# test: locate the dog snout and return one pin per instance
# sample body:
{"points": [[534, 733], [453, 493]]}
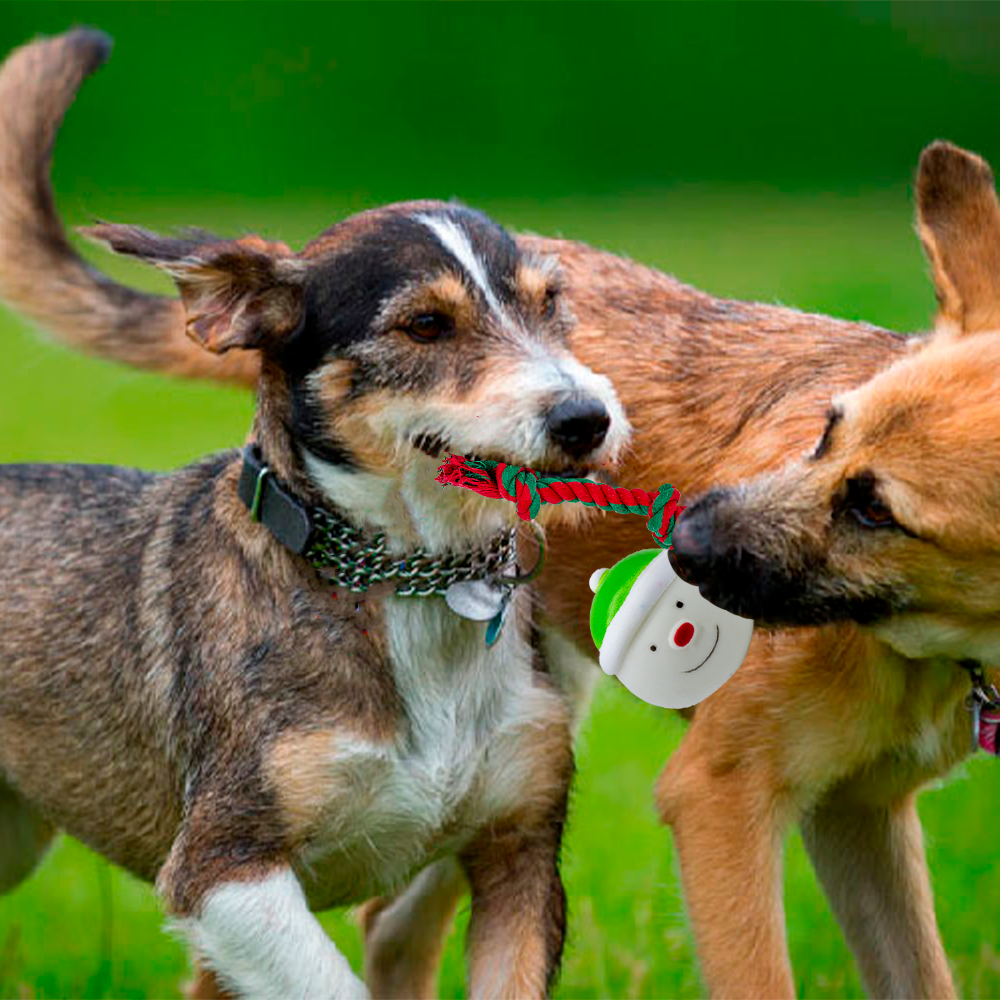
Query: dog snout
{"points": [[578, 426], [707, 553]]}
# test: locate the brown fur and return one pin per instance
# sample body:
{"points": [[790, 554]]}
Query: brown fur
{"points": [[827, 725]]}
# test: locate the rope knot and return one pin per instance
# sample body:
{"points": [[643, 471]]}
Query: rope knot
{"points": [[663, 513], [520, 484]]}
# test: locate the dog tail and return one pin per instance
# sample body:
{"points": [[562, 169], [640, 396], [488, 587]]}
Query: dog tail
{"points": [[41, 275]]}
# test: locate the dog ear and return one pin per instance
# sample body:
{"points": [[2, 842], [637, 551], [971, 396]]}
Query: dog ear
{"points": [[958, 219], [244, 293]]}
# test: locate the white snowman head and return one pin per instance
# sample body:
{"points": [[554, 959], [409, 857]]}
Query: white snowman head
{"points": [[659, 636]]}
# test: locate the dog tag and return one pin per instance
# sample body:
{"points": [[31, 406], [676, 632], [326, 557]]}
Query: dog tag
{"points": [[496, 622], [476, 600], [986, 727]]}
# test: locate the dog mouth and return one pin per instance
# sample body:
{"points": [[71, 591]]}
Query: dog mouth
{"points": [[707, 658], [436, 446]]}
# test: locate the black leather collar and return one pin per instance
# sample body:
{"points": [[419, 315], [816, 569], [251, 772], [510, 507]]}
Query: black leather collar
{"points": [[282, 513]]}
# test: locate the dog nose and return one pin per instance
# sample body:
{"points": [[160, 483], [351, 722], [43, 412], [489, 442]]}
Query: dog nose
{"points": [[578, 426], [691, 552], [683, 634]]}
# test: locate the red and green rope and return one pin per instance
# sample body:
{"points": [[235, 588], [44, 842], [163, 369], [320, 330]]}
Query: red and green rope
{"points": [[528, 491]]}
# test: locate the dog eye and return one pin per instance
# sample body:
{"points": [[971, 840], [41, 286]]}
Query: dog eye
{"points": [[550, 302], [874, 514], [865, 507], [429, 326]]}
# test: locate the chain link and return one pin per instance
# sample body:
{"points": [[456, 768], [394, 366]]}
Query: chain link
{"points": [[347, 559]]}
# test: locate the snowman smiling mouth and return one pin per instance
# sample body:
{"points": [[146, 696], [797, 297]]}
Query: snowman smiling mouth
{"points": [[707, 658]]}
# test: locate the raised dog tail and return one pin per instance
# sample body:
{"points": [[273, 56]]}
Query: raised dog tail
{"points": [[41, 275]]}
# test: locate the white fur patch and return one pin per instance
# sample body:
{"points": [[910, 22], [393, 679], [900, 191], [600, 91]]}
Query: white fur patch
{"points": [[262, 941], [456, 241], [371, 499], [458, 762]]}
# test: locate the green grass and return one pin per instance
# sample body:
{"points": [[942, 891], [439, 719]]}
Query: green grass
{"points": [[79, 928]]}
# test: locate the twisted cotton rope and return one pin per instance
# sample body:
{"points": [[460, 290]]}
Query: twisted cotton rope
{"points": [[528, 491]]}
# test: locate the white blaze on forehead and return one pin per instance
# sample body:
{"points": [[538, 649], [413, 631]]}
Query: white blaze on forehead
{"points": [[456, 241]]}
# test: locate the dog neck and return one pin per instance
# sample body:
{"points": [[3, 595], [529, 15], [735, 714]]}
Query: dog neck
{"points": [[409, 507], [405, 503]]}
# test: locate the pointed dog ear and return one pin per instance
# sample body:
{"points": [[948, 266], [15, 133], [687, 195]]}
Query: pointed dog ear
{"points": [[958, 219], [243, 293]]}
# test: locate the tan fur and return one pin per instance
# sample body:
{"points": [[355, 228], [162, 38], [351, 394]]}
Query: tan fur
{"points": [[405, 935], [536, 281], [448, 292], [298, 767]]}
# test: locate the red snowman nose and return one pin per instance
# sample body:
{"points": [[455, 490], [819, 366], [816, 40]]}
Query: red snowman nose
{"points": [[683, 634]]}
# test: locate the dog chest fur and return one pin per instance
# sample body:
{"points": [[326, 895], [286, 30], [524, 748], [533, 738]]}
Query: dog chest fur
{"points": [[471, 743]]}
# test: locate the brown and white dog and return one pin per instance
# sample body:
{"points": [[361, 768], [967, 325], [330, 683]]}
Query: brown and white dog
{"points": [[194, 700], [834, 725]]}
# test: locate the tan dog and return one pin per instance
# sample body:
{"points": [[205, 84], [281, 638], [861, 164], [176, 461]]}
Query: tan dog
{"points": [[832, 725]]}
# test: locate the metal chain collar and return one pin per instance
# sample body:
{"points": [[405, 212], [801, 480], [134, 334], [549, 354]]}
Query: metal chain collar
{"points": [[350, 560]]}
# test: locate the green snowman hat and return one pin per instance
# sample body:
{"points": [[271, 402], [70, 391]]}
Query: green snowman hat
{"points": [[623, 597]]}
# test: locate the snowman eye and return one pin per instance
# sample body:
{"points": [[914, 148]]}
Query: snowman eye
{"points": [[652, 649], [680, 604]]}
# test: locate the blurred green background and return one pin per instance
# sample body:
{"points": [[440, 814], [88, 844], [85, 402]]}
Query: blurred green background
{"points": [[757, 150]]}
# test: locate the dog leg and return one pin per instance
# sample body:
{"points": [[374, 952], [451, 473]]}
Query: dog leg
{"points": [[255, 932], [24, 838], [405, 934], [518, 921], [728, 828], [870, 860]]}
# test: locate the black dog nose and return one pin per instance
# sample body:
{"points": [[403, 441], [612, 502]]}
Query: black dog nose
{"points": [[578, 426], [695, 543]]}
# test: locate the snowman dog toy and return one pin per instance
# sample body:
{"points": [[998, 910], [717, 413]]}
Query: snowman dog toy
{"points": [[665, 642], [659, 636]]}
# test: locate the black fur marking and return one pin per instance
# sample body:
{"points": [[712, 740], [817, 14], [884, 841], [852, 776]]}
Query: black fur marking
{"points": [[539, 663], [833, 417], [310, 430], [254, 662], [196, 507]]}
